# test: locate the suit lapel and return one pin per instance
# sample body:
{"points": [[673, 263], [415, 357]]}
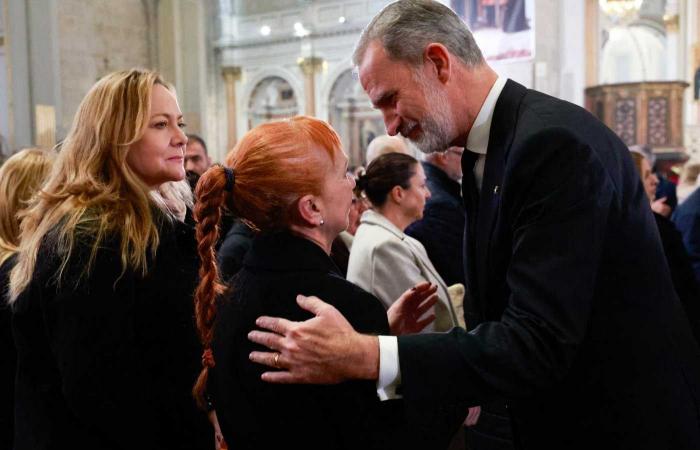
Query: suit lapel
{"points": [[501, 136]]}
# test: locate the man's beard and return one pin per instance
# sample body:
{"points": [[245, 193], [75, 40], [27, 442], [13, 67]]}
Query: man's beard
{"points": [[436, 126]]}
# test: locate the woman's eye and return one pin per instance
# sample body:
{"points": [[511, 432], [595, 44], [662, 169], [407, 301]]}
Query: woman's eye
{"points": [[182, 125], [160, 124]]}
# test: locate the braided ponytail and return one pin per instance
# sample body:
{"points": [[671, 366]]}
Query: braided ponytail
{"points": [[211, 194]]}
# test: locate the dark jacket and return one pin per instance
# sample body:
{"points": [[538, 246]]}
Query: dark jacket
{"points": [[687, 220], [682, 274], [233, 249], [8, 356], [108, 360], [571, 319], [258, 415], [441, 230]]}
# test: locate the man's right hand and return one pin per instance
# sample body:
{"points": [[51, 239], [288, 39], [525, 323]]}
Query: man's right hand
{"points": [[322, 350]]}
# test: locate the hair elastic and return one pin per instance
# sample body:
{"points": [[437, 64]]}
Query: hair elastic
{"points": [[230, 178]]}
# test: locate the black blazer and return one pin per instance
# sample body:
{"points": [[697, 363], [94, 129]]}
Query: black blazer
{"points": [[258, 415], [576, 321], [441, 230], [108, 361]]}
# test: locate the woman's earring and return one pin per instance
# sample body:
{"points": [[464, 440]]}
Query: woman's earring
{"points": [[322, 222]]}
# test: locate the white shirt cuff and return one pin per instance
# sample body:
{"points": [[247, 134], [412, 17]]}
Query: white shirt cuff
{"points": [[389, 371]]}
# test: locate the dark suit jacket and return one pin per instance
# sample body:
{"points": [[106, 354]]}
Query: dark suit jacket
{"points": [[108, 360], [577, 323], [687, 220], [682, 274], [258, 415], [441, 230]]}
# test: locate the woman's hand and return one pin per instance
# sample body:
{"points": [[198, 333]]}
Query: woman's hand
{"points": [[406, 314]]}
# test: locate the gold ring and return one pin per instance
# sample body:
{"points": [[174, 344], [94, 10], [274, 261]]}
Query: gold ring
{"points": [[276, 362]]}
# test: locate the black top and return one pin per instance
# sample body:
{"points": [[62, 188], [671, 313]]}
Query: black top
{"points": [[258, 415], [8, 356], [108, 361]]}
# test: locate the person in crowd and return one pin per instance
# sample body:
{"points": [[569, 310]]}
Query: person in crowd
{"points": [[102, 289], [565, 320], [687, 220], [384, 144], [342, 245], [684, 282], [441, 230], [688, 180], [234, 246], [20, 179], [665, 198], [288, 179], [384, 260], [197, 157]]}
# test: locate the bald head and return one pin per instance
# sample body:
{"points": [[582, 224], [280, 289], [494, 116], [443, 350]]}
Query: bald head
{"points": [[384, 144]]}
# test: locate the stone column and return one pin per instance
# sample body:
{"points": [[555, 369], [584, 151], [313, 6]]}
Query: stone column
{"points": [[231, 75], [310, 66], [592, 42]]}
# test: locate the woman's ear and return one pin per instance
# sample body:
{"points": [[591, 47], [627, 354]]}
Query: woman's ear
{"points": [[308, 210], [396, 194]]}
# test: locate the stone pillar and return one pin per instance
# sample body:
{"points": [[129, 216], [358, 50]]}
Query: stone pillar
{"points": [[231, 75], [592, 42], [310, 66]]}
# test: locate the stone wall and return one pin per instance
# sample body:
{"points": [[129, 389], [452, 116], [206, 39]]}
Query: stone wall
{"points": [[97, 37]]}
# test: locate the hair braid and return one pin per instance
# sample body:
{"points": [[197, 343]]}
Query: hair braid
{"points": [[210, 195]]}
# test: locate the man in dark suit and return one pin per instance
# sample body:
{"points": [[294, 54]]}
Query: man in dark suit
{"points": [[441, 230], [566, 322]]}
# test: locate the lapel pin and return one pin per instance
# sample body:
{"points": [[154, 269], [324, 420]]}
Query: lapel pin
{"points": [[495, 189]]}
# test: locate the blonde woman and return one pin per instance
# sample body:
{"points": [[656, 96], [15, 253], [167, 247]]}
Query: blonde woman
{"points": [[102, 290], [20, 178]]}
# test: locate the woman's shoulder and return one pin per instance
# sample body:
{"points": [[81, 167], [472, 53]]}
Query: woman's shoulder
{"points": [[362, 309]]}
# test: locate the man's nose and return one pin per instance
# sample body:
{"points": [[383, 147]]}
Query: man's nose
{"points": [[392, 122]]}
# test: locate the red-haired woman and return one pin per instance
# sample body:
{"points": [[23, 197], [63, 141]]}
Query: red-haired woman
{"points": [[288, 180]]}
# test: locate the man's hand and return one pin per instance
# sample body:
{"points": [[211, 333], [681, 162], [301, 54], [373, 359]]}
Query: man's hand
{"points": [[322, 350], [660, 207], [406, 314]]}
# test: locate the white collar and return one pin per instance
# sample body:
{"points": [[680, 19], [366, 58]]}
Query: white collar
{"points": [[372, 217], [478, 139]]}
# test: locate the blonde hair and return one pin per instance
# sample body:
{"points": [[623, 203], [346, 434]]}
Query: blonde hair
{"points": [[689, 175], [92, 192], [20, 178]]}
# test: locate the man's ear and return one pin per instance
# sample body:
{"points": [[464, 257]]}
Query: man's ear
{"points": [[396, 193], [308, 211], [439, 59]]}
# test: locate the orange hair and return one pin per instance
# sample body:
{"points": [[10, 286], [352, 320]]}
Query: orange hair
{"points": [[275, 164]]}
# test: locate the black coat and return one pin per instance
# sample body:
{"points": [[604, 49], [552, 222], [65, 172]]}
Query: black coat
{"points": [[258, 415], [233, 249], [441, 230], [572, 321], [8, 356], [108, 360]]}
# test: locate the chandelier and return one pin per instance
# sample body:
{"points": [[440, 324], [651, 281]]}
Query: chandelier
{"points": [[621, 9]]}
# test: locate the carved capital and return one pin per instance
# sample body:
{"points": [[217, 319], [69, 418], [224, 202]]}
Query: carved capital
{"points": [[232, 73], [310, 65]]}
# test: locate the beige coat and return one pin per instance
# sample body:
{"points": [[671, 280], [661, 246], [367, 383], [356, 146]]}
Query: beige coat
{"points": [[386, 262]]}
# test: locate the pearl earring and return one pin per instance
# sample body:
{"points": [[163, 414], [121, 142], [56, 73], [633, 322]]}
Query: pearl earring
{"points": [[322, 222]]}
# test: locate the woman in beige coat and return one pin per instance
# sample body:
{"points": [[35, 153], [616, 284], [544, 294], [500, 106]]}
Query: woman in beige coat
{"points": [[383, 260]]}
